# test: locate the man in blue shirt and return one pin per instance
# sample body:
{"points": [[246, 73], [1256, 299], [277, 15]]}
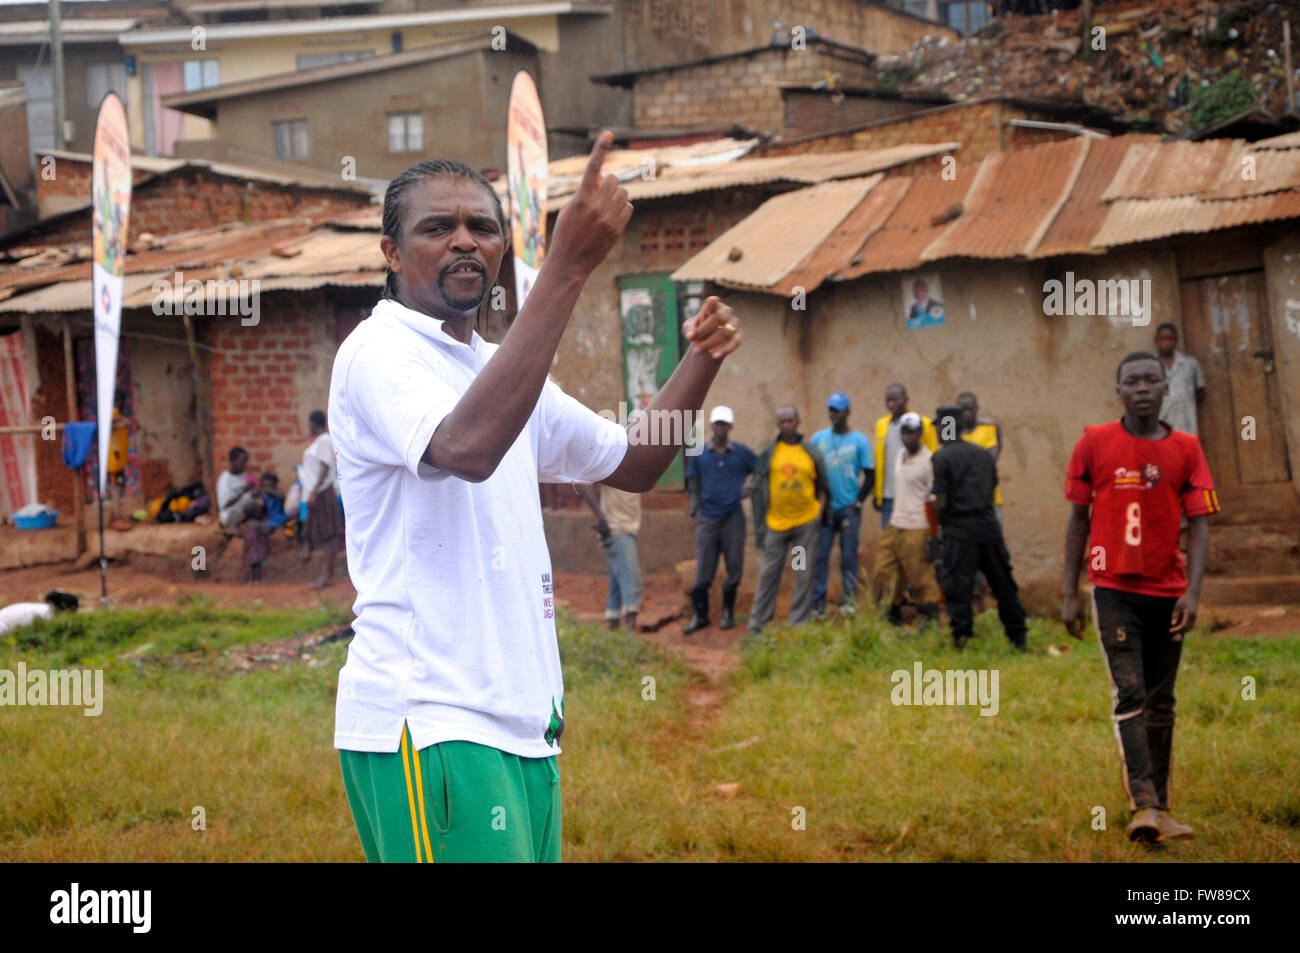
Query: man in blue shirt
{"points": [[715, 482], [848, 457]]}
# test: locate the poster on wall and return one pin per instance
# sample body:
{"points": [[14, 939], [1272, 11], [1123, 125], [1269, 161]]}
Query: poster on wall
{"points": [[111, 201], [526, 158], [923, 300]]}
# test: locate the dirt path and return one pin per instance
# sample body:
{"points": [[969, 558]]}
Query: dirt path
{"points": [[710, 653]]}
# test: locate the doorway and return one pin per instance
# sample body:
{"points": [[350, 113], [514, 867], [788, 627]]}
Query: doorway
{"points": [[1226, 327]]}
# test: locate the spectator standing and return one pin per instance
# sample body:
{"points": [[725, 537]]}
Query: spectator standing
{"points": [[790, 495], [320, 491], [965, 478], [1184, 382], [888, 443], [902, 550], [715, 483], [849, 466], [618, 520]]}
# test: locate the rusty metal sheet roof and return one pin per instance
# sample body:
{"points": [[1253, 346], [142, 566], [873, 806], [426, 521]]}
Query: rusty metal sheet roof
{"points": [[322, 253], [686, 179], [840, 248], [1077, 222], [1129, 221], [920, 216], [1290, 140], [1269, 170], [1013, 199], [1168, 170], [761, 250]]}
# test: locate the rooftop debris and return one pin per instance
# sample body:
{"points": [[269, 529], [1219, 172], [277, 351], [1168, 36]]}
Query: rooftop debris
{"points": [[1167, 65]]}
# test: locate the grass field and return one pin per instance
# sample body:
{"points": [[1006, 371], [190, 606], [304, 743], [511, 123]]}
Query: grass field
{"points": [[807, 729]]}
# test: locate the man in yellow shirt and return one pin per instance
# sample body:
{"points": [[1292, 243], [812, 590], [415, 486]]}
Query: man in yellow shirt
{"points": [[789, 493], [889, 441]]}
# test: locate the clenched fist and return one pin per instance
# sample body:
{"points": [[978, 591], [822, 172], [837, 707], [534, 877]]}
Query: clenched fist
{"points": [[715, 330], [593, 219]]}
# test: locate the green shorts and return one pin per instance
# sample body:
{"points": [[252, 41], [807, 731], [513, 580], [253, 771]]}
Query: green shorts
{"points": [[454, 802]]}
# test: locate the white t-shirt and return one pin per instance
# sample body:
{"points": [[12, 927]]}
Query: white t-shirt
{"points": [[229, 487], [455, 628], [23, 613], [318, 465], [913, 479]]}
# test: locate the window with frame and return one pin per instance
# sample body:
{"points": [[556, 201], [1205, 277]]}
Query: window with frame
{"points": [[105, 77], [406, 132], [200, 74], [290, 139]]}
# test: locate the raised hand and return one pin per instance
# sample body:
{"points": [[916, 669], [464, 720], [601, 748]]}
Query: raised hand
{"points": [[593, 219], [715, 330]]}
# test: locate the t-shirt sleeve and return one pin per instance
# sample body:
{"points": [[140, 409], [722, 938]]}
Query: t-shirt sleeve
{"points": [[397, 403], [1078, 475], [693, 467], [1199, 498], [574, 443], [1197, 376], [941, 475], [865, 460], [751, 461]]}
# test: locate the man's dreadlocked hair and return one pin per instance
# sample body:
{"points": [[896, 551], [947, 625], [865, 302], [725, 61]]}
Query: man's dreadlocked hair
{"points": [[395, 207]]}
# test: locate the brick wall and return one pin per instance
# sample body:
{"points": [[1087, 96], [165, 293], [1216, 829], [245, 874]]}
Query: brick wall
{"points": [[265, 380], [71, 179], [189, 199], [745, 90], [981, 128]]}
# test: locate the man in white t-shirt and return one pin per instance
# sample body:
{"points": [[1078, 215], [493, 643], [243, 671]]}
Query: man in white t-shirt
{"points": [[324, 528], [18, 614], [901, 559], [450, 707]]}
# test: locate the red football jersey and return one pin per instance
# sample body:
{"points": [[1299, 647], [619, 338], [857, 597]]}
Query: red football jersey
{"points": [[1138, 490]]}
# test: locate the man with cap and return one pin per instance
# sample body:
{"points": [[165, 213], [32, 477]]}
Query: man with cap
{"points": [[902, 550], [965, 478], [715, 483], [888, 444], [848, 457]]}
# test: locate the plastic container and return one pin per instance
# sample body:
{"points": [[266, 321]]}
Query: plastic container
{"points": [[40, 521]]}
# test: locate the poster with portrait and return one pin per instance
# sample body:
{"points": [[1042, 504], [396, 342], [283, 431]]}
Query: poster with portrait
{"points": [[111, 207], [923, 300], [526, 158]]}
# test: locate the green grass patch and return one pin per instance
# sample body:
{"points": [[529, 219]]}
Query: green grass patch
{"points": [[807, 730]]}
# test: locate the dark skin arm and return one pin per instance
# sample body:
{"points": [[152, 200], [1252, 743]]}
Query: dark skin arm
{"points": [[1198, 549], [471, 440], [1076, 540], [997, 448]]}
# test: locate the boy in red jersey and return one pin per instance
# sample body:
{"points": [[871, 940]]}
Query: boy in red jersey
{"points": [[1139, 475]]}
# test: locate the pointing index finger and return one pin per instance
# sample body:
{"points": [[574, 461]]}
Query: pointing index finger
{"points": [[591, 177]]}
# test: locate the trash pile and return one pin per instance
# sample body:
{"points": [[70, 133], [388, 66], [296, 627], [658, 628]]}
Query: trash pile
{"points": [[1167, 65]]}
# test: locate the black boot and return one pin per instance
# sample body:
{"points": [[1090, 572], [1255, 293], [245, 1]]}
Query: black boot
{"points": [[728, 609], [700, 616]]}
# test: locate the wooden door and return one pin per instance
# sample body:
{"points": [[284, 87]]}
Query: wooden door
{"points": [[1226, 328]]}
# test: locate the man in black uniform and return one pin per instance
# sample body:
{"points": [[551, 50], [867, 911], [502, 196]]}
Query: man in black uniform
{"points": [[964, 478]]}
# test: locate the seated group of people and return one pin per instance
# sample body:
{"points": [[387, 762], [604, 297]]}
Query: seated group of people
{"points": [[311, 511]]}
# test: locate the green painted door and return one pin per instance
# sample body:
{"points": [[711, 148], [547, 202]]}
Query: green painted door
{"points": [[651, 345]]}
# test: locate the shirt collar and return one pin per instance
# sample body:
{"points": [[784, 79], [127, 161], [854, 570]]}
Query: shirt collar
{"points": [[423, 324]]}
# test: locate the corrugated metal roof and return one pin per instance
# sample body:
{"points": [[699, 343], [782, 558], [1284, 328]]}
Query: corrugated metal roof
{"points": [[840, 248], [1290, 140], [1013, 199], [919, 218], [1129, 221], [1168, 170], [1270, 170], [1077, 222], [761, 250], [678, 177]]}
